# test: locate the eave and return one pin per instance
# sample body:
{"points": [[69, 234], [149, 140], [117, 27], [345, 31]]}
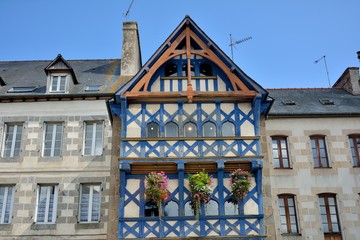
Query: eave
{"points": [[55, 97]]}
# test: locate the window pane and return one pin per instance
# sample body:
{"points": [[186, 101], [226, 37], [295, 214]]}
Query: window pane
{"points": [[12, 142], [190, 130], [231, 209], [171, 130], [212, 208], [171, 209], [188, 210], [6, 202], [153, 130], [53, 143], [46, 204], [228, 129], [54, 83], [209, 129]]}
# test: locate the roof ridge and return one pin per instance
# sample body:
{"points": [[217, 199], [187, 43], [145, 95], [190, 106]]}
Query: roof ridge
{"points": [[299, 88], [49, 60]]}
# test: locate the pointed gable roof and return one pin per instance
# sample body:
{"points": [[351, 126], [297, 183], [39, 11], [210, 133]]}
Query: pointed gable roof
{"points": [[187, 32], [59, 64]]}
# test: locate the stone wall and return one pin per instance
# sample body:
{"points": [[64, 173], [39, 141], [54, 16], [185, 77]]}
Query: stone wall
{"points": [[306, 182], [67, 171]]}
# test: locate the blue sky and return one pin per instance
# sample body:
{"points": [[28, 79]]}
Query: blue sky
{"points": [[287, 36]]}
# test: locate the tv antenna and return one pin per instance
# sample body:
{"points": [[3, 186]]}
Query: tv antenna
{"points": [[128, 11], [232, 44], [326, 68]]}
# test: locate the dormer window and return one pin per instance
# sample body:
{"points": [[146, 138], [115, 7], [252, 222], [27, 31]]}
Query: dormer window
{"points": [[58, 84]]}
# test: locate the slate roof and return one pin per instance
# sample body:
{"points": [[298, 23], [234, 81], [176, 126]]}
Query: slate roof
{"points": [[104, 72], [307, 102]]}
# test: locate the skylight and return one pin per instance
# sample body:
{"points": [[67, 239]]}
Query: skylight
{"points": [[288, 102], [22, 89], [326, 102], [93, 88]]}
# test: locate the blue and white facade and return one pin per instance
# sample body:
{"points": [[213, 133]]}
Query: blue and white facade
{"points": [[190, 108]]}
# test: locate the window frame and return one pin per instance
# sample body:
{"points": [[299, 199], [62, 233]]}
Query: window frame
{"points": [[316, 139], [93, 138], [354, 146], [90, 202], [53, 139], [281, 159], [285, 198], [47, 204], [13, 140], [6, 204], [57, 90], [329, 222]]}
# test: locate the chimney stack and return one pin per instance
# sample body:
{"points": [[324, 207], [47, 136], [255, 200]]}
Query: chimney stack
{"points": [[131, 55]]}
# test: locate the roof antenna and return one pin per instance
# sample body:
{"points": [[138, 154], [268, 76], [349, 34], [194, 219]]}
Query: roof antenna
{"points": [[326, 68], [232, 44], [128, 11]]}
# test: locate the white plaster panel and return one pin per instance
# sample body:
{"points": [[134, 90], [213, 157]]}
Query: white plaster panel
{"points": [[133, 130], [155, 87], [170, 108], [190, 108], [202, 85], [227, 107], [221, 84], [245, 107], [184, 85], [152, 108], [166, 86], [247, 129], [251, 207], [208, 108], [134, 109]]}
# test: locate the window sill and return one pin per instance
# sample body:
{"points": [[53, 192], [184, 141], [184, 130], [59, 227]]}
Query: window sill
{"points": [[43, 226], [10, 159], [322, 167], [50, 159], [279, 168], [87, 158], [88, 225], [291, 234], [6, 227]]}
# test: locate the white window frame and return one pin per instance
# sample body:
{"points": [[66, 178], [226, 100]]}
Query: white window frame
{"points": [[57, 90], [53, 139], [90, 203], [13, 140], [93, 138], [47, 204], [7, 204]]}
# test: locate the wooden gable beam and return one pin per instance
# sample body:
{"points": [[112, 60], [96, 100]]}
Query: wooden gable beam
{"points": [[206, 52]]}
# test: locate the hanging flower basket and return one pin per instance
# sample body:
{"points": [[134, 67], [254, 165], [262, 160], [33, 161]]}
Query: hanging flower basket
{"points": [[156, 189], [240, 185], [200, 190]]}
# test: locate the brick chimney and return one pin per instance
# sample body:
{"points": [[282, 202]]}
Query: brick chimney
{"points": [[349, 81], [131, 55]]}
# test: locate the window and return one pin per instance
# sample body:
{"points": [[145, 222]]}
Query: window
{"points": [[89, 209], [171, 129], [354, 141], [171, 209], [190, 130], [151, 210], [53, 139], [93, 88], [152, 130], [288, 219], [209, 129], [22, 89], [319, 152], [170, 70], [46, 204], [280, 152], [93, 141], [6, 203], [58, 84], [329, 213], [228, 129], [185, 71], [188, 210], [205, 69], [12, 141], [212, 208]]}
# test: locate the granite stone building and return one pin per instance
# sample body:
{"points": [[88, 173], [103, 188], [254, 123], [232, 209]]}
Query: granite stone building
{"points": [[311, 149], [55, 148]]}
